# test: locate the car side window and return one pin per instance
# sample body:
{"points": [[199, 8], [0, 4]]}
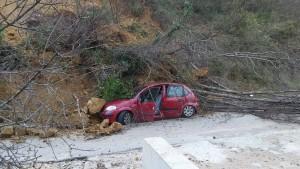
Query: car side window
{"points": [[150, 94], [175, 91], [185, 92]]}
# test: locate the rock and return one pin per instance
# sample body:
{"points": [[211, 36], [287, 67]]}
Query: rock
{"points": [[51, 132], [200, 73], [7, 131], [115, 127], [95, 105], [104, 123], [12, 36], [33, 131], [85, 110], [104, 129], [20, 131]]}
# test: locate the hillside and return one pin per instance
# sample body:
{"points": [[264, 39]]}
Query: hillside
{"points": [[58, 52]]}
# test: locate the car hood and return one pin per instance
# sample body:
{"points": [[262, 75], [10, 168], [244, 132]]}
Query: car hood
{"points": [[119, 103]]}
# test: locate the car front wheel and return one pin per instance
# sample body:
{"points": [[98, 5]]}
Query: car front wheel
{"points": [[188, 111], [125, 118]]}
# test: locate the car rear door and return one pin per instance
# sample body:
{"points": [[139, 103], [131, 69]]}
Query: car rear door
{"points": [[173, 101]]}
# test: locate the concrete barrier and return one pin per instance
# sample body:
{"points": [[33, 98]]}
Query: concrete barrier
{"points": [[159, 154]]}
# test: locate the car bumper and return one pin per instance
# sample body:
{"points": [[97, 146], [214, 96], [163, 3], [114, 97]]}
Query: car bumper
{"points": [[110, 116]]}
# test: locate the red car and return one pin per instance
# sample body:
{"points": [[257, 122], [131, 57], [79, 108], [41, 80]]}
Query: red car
{"points": [[154, 102]]}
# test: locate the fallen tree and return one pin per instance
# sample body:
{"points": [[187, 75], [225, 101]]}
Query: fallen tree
{"points": [[276, 105]]}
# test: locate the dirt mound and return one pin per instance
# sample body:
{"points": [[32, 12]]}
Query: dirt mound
{"points": [[113, 35]]}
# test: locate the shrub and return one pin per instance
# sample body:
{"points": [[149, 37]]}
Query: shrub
{"points": [[38, 40], [284, 31], [1, 35], [244, 31], [66, 30], [136, 28], [11, 58], [216, 68], [136, 8], [115, 88], [128, 62], [247, 76], [165, 12], [208, 9]]}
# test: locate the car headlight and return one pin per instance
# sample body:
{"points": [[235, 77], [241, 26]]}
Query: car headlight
{"points": [[110, 108]]}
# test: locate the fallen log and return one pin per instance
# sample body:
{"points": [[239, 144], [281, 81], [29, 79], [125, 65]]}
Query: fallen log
{"points": [[276, 105]]}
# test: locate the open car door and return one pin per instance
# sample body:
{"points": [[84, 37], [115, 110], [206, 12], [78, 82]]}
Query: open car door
{"points": [[147, 103]]}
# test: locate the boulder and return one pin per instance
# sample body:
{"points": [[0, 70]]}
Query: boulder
{"points": [[200, 73], [104, 128], [20, 131], [94, 105], [51, 132], [33, 131], [7, 131], [104, 123], [115, 126]]}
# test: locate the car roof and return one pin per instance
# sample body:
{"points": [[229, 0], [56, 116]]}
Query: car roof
{"points": [[162, 83]]}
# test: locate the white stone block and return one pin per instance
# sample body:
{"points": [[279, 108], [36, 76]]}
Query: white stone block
{"points": [[159, 154]]}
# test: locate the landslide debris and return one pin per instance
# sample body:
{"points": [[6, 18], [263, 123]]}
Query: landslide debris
{"points": [[104, 128], [94, 105], [10, 131], [87, 117]]}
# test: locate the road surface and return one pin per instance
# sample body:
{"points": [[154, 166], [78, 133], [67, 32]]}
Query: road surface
{"points": [[220, 140]]}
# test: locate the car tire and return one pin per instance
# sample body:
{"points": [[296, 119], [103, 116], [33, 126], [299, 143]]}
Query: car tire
{"points": [[188, 111], [125, 118]]}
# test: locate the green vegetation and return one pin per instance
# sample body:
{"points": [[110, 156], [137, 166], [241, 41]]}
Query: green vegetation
{"points": [[115, 88], [130, 64]]}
